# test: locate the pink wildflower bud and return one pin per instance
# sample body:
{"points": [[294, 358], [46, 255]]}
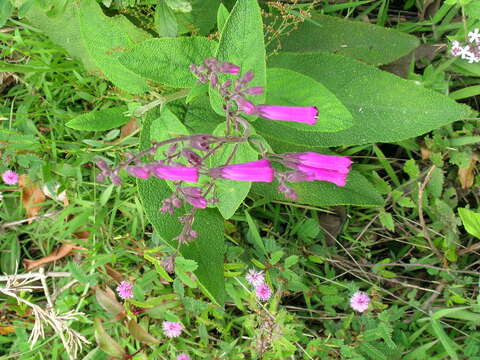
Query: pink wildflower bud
{"points": [[175, 172], [100, 177], [226, 67], [116, 180], [303, 114], [172, 329], [244, 80], [191, 191], [10, 177], [168, 264], [138, 171], [200, 142], [263, 292], [198, 202], [102, 164], [193, 158], [259, 170], [183, 356], [254, 90], [359, 301], [125, 290], [339, 164]]}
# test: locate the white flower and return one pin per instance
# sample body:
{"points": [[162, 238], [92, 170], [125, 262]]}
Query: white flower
{"points": [[465, 52], [472, 58], [474, 36], [456, 48]]}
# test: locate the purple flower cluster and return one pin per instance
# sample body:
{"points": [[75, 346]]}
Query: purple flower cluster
{"points": [[471, 51]]}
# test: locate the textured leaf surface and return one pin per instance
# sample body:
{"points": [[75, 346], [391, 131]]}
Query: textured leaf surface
{"points": [[385, 108], [359, 40], [165, 20], [100, 120], [207, 250], [105, 42], [358, 191], [241, 43], [229, 193], [286, 87], [167, 60]]}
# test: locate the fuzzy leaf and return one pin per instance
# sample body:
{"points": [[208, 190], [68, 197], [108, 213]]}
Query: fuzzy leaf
{"points": [[355, 39], [381, 103], [100, 120], [167, 60], [105, 342]]}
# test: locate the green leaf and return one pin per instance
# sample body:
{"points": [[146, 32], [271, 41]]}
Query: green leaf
{"points": [[105, 342], [140, 334], [10, 256], [229, 193], [448, 344], [6, 10], [459, 313], [108, 301], [167, 126], [471, 221], [167, 60], [208, 249], [358, 191], [355, 39], [255, 234], [134, 33], [387, 220], [381, 103], [201, 19], [242, 43], [100, 120], [222, 16], [165, 20], [290, 88], [105, 42]]}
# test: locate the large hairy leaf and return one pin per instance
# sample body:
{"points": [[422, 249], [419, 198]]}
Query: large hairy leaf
{"points": [[208, 249], [201, 19], [385, 108], [241, 43], [358, 191], [95, 39], [359, 40], [167, 60]]}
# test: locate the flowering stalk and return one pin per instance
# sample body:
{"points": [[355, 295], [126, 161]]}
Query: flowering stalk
{"points": [[471, 51]]}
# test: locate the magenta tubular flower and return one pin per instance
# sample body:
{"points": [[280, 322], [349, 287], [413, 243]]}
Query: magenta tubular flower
{"points": [[339, 164], [260, 171], [338, 178], [172, 329], [263, 292], [176, 173], [10, 177], [125, 290], [307, 115], [245, 106], [359, 301]]}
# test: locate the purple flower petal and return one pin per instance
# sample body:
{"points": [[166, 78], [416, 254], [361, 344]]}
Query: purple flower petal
{"points": [[307, 115]]}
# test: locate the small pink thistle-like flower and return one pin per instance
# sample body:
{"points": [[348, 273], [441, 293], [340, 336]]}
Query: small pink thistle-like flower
{"points": [[259, 170], [10, 177], [172, 329], [359, 301], [255, 277], [125, 290], [183, 356], [263, 292], [302, 114]]}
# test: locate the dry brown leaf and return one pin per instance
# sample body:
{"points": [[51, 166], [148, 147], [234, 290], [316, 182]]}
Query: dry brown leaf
{"points": [[466, 176], [32, 195], [83, 235], [114, 274], [128, 128], [426, 153], [5, 330], [61, 252]]}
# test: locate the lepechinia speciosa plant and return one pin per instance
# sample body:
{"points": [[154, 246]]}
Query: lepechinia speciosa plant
{"points": [[184, 160]]}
